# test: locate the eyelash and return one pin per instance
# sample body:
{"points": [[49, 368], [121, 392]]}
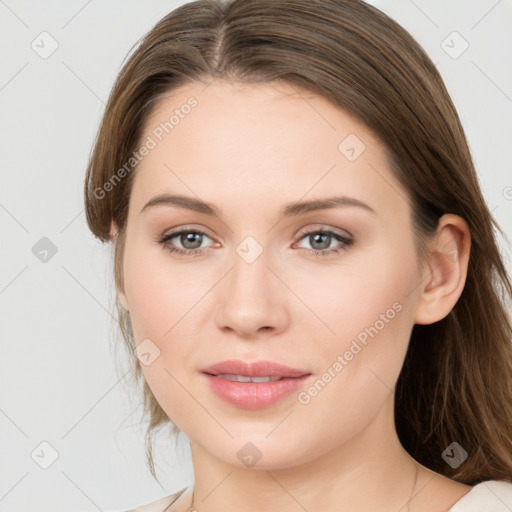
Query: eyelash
{"points": [[346, 242]]}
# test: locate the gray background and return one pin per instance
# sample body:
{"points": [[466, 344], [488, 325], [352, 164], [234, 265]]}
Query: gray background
{"points": [[58, 375]]}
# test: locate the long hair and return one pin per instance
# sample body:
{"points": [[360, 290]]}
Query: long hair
{"points": [[456, 380]]}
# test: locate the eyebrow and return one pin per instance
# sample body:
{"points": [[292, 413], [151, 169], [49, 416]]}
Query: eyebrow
{"points": [[289, 210]]}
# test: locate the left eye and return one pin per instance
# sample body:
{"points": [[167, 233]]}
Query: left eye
{"points": [[322, 240]]}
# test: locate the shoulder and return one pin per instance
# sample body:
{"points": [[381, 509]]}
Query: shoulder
{"points": [[160, 504], [489, 496]]}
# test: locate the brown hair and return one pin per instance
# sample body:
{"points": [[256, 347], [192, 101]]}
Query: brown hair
{"points": [[456, 381]]}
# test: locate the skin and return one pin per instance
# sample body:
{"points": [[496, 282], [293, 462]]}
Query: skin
{"points": [[250, 149]]}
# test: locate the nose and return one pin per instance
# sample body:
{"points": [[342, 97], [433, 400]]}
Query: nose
{"points": [[251, 300]]}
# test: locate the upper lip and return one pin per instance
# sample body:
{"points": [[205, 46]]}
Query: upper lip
{"points": [[254, 369]]}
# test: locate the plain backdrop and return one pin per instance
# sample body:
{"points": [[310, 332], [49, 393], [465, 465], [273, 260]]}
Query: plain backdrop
{"points": [[63, 404]]}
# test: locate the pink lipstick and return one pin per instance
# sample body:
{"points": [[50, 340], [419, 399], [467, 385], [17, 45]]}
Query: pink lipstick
{"points": [[254, 385]]}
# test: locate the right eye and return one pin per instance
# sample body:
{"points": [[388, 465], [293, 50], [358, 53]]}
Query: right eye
{"points": [[187, 238]]}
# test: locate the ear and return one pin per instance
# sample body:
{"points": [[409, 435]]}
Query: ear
{"points": [[446, 270], [121, 296]]}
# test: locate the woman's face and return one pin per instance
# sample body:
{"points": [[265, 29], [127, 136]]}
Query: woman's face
{"points": [[331, 291]]}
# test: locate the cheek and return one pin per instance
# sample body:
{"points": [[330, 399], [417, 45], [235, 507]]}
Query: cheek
{"points": [[368, 317], [358, 366], [161, 297], [157, 291], [368, 296]]}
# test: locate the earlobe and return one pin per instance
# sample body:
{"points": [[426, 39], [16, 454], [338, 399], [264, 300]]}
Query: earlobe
{"points": [[446, 270]]}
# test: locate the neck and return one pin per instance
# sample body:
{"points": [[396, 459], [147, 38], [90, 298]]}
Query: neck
{"points": [[371, 471]]}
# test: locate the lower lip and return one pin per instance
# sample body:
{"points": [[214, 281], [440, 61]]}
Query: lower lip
{"points": [[252, 395]]}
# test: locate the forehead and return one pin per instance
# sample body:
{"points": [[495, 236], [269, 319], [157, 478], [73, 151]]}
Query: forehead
{"points": [[271, 138], [221, 108], [234, 113]]}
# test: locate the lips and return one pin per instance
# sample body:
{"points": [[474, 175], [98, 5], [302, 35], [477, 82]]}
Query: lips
{"points": [[254, 369], [254, 385]]}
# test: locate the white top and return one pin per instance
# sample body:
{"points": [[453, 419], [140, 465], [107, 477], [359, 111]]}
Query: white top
{"points": [[489, 496]]}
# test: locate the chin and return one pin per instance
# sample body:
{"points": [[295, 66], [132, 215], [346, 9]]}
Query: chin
{"points": [[259, 452]]}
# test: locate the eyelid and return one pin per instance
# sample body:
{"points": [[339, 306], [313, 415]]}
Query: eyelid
{"points": [[323, 227], [186, 227]]}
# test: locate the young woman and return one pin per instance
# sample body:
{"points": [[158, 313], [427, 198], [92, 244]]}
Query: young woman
{"points": [[307, 271]]}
